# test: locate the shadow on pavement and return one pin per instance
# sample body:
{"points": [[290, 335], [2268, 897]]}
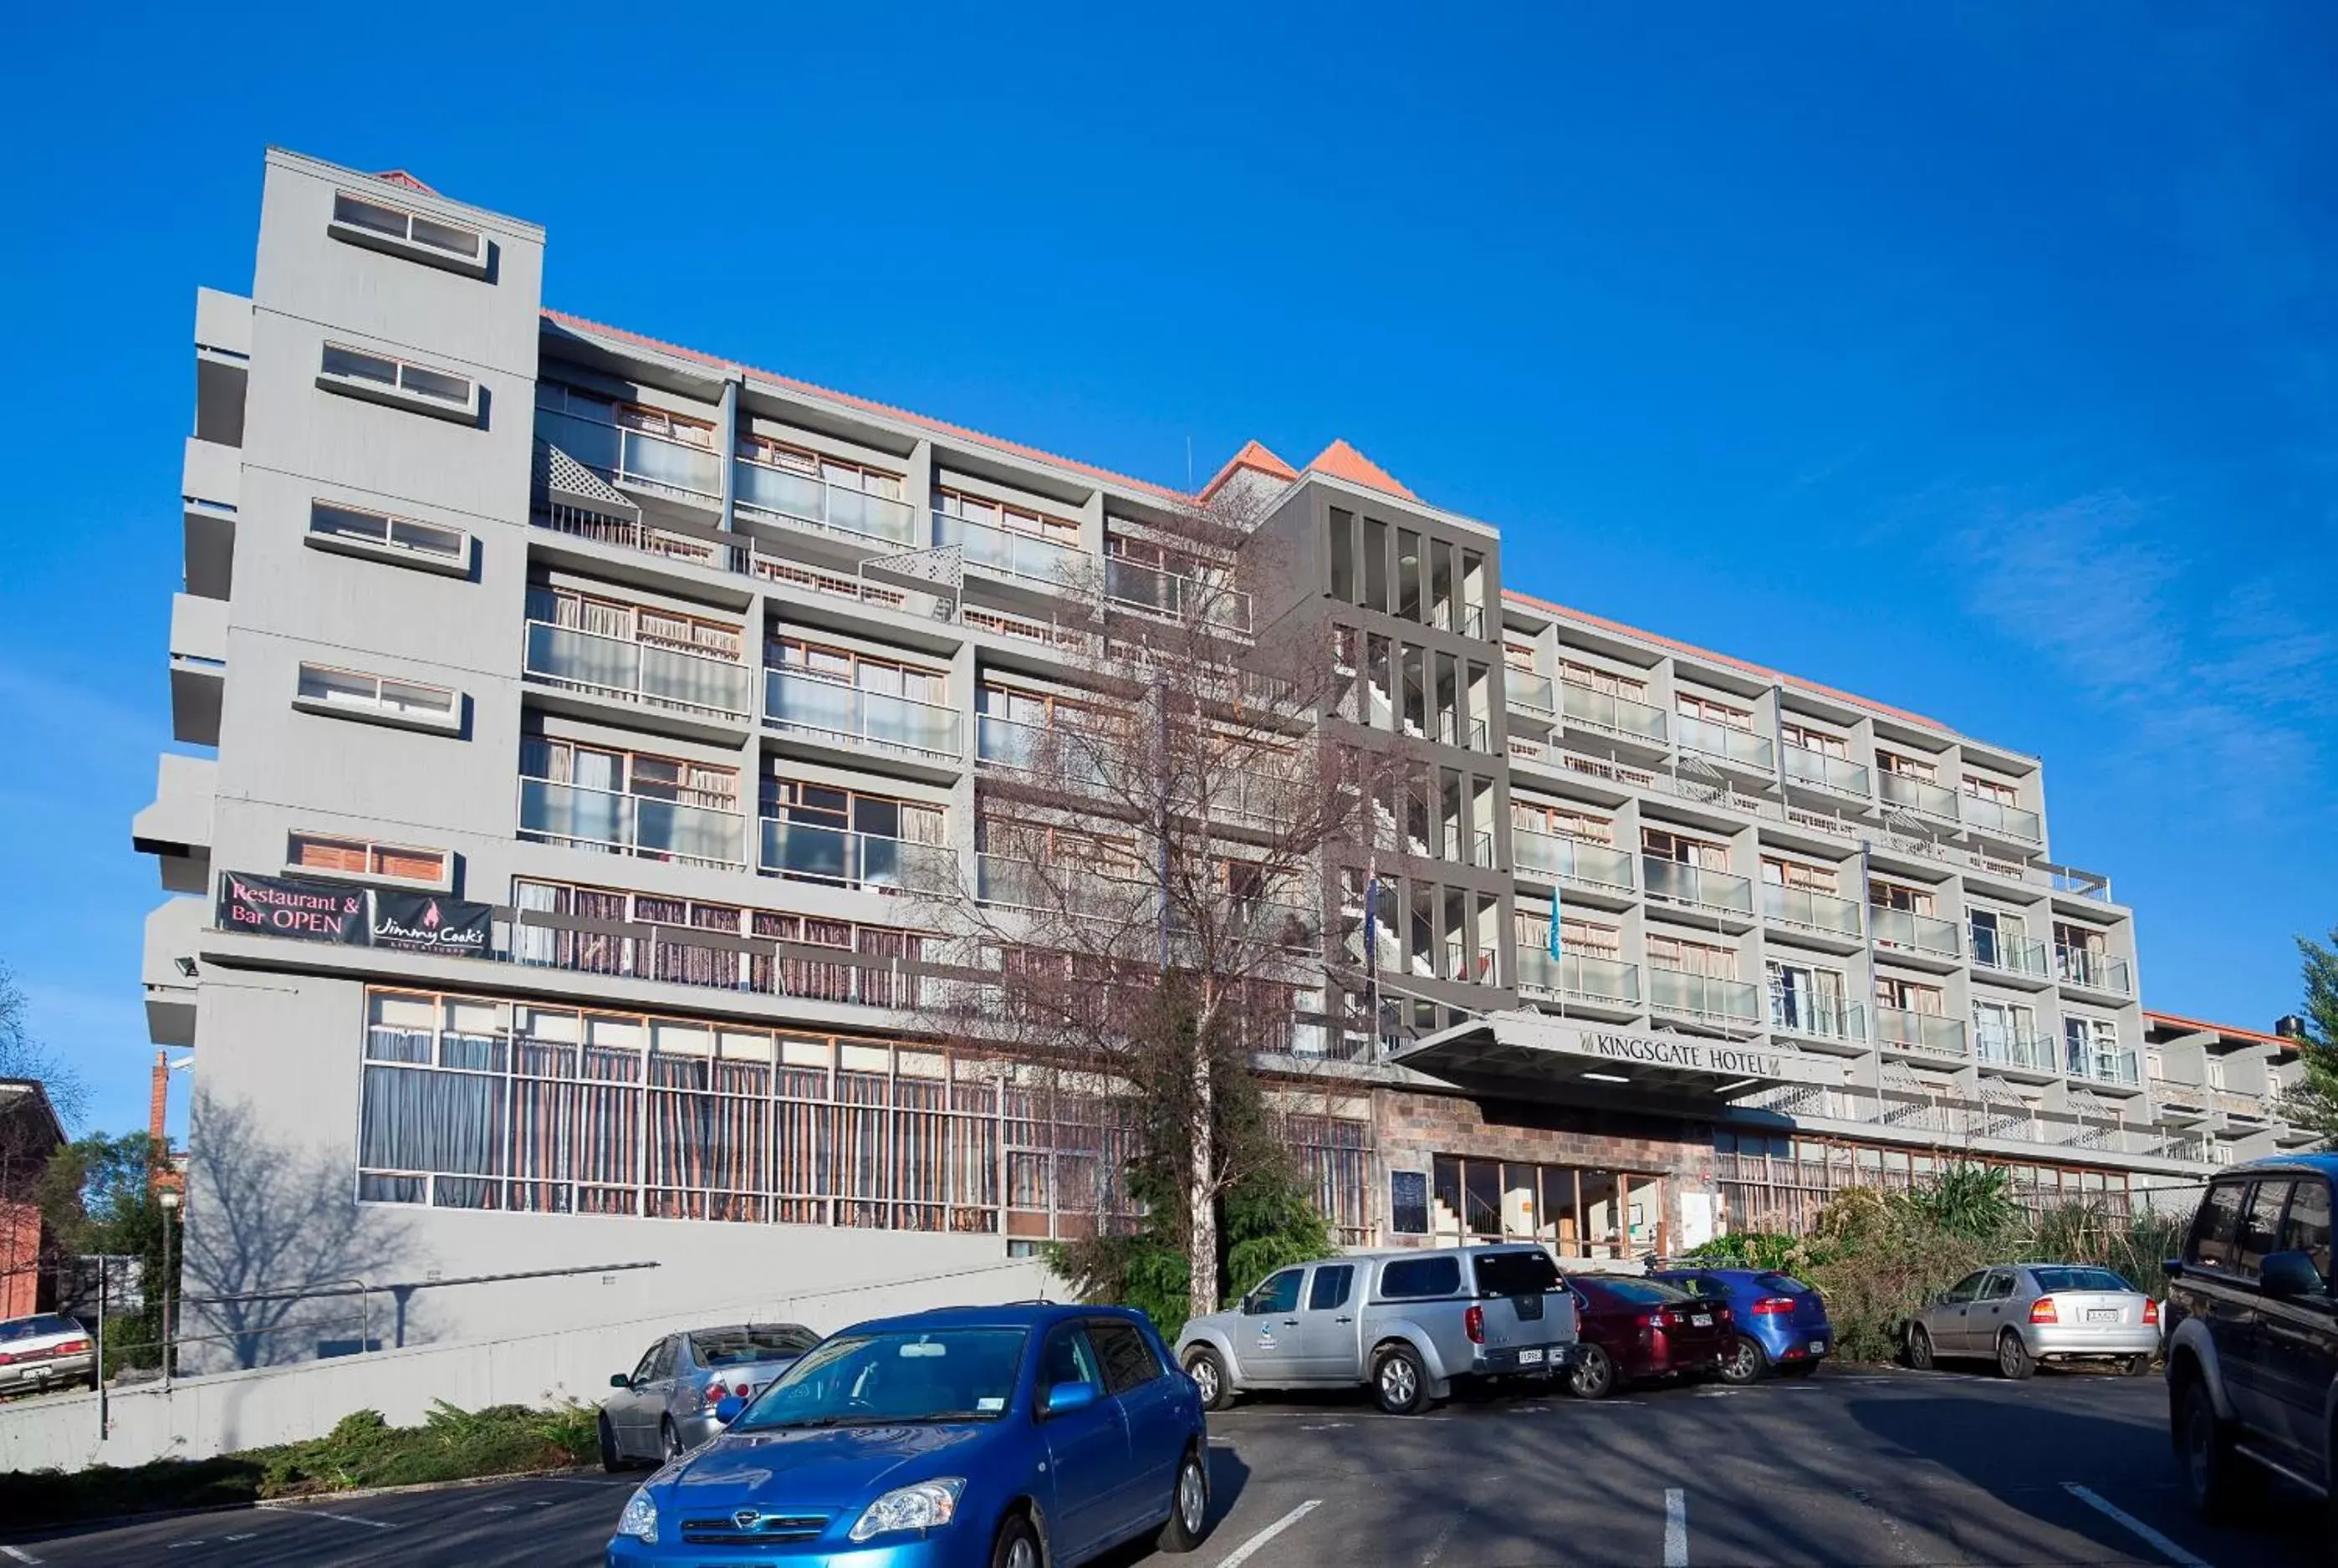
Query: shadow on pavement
{"points": [[1228, 1476]]}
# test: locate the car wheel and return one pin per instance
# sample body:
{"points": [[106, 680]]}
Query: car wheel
{"points": [[1919, 1348], [669, 1441], [1400, 1382], [2137, 1365], [2013, 1358], [2222, 1483], [1744, 1364], [1595, 1375], [1018, 1546], [1189, 1507], [1209, 1376], [611, 1460]]}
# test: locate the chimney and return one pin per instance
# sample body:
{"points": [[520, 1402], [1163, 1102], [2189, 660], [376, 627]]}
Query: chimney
{"points": [[159, 1103]]}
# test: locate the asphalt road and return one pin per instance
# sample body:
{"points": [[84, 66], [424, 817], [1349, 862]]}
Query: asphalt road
{"points": [[1848, 1468]]}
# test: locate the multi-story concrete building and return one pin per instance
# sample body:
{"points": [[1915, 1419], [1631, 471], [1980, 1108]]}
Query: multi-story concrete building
{"points": [[580, 702]]}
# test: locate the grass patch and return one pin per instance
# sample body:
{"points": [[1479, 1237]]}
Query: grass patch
{"points": [[362, 1450]]}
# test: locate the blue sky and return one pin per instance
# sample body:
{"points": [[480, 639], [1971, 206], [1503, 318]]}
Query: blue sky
{"points": [[1979, 360]]}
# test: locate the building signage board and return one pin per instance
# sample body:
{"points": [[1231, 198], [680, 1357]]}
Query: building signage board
{"points": [[1678, 1052], [1531, 1049], [430, 922], [278, 906], [1409, 1202]]}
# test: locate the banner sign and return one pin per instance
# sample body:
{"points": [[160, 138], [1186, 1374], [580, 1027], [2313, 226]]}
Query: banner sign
{"points": [[431, 923], [304, 910]]}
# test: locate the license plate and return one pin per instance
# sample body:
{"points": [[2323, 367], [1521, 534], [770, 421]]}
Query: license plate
{"points": [[1818, 1347], [1530, 1359], [1702, 1320], [2103, 1314]]}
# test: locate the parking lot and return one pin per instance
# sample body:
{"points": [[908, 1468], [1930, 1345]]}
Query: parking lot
{"points": [[1853, 1467]]}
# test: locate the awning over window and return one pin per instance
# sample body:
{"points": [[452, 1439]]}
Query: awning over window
{"points": [[1532, 1056]]}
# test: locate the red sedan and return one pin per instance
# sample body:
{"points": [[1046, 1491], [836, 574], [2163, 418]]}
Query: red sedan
{"points": [[1634, 1328]]}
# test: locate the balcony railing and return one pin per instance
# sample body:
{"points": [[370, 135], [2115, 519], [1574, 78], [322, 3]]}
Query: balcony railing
{"points": [[1007, 882], [638, 672], [808, 502], [1916, 795], [1804, 766], [1677, 883], [1732, 745], [1703, 996], [1179, 599], [1924, 1031], [2105, 1066], [2008, 821], [1473, 849], [1012, 744], [1810, 909], [1470, 965], [806, 705], [2013, 955], [1578, 975], [2094, 971], [1571, 859], [643, 825], [1612, 715], [636, 456], [1530, 692], [1913, 932], [810, 853], [1814, 1016], [1016, 554], [2012, 1048]]}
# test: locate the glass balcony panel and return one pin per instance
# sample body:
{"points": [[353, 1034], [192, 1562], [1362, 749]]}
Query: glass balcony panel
{"points": [[590, 442], [1572, 860], [1797, 1011], [813, 853], [693, 681], [1533, 693], [670, 465], [1683, 883], [1837, 773], [2011, 820], [1810, 909], [580, 658], [1017, 555], [689, 833], [1702, 995], [1614, 714], [1920, 1031], [570, 813], [1578, 975], [1916, 933], [1917, 795], [800, 701], [1713, 739], [780, 492]]}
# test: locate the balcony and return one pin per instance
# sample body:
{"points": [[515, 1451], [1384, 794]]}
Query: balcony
{"points": [[2116, 1067], [1724, 892], [612, 824], [1458, 730], [1829, 1019], [2008, 955], [176, 828], [2000, 821], [1468, 965], [1897, 1028], [2027, 1053], [1004, 882], [1732, 1003], [642, 674], [1914, 795], [167, 967], [799, 500], [1579, 977], [807, 851], [211, 489], [1730, 744], [1025, 558], [674, 469], [1571, 859], [2092, 971], [1529, 693], [1618, 717], [1818, 771], [1012, 744], [198, 667], [1150, 591], [1908, 932], [856, 719], [1808, 909]]}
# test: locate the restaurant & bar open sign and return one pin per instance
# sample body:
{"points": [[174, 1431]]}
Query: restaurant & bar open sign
{"points": [[278, 906]]}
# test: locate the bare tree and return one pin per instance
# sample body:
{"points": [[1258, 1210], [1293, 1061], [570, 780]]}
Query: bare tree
{"points": [[1145, 918], [22, 1056]]}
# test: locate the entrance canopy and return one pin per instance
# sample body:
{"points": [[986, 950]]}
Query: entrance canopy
{"points": [[1525, 1055]]}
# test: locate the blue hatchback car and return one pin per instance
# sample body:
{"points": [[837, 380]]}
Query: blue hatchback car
{"points": [[970, 1437], [1782, 1323]]}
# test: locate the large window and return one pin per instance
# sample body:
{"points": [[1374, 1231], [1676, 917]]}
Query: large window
{"points": [[1778, 1182], [1580, 1213]]}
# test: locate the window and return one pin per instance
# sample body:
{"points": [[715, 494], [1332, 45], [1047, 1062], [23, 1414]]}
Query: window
{"points": [[1014, 520], [2051, 1280], [1587, 937], [1128, 1361], [1577, 822], [1341, 532], [1901, 765], [1979, 787], [2260, 1225], [351, 693], [1779, 871], [2307, 1228], [1883, 894], [1068, 1358], [377, 534], [643, 773], [2211, 1229], [1592, 679], [1412, 1278], [1997, 1286], [744, 1346], [1659, 844], [645, 1369], [865, 671], [1514, 1273], [1278, 1294], [1713, 710], [1813, 740], [385, 379], [605, 617], [1376, 565], [358, 857], [1518, 653], [1909, 996], [1330, 1285], [1968, 1288], [841, 473], [1688, 957], [376, 225]]}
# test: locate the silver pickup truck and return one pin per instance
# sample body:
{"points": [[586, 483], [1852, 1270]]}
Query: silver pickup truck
{"points": [[1408, 1324]]}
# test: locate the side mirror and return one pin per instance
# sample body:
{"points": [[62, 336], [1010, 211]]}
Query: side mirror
{"points": [[728, 1408], [1065, 1397], [619, 1380], [2287, 1274]]}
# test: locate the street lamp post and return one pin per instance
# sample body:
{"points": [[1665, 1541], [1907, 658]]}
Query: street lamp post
{"points": [[169, 1223]]}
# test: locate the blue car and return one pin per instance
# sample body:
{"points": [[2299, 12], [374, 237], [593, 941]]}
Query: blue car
{"points": [[1782, 1323], [970, 1437]]}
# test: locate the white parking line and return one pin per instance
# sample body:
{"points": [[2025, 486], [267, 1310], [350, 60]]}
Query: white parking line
{"points": [[17, 1554], [1676, 1528], [320, 1513], [2158, 1543], [1242, 1554]]}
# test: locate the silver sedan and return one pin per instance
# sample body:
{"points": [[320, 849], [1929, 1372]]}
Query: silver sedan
{"points": [[2022, 1314]]}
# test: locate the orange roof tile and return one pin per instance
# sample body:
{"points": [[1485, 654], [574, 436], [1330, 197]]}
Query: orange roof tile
{"points": [[1342, 461], [1255, 457], [1747, 666], [400, 177], [868, 405], [2235, 1031]]}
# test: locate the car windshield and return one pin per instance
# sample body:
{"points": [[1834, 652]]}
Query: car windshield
{"points": [[1515, 1273], [37, 1328], [1781, 1285], [885, 1379], [1643, 1292], [759, 1342], [2051, 1280]]}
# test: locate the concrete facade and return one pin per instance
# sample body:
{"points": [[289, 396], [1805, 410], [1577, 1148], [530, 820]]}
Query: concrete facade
{"points": [[493, 604]]}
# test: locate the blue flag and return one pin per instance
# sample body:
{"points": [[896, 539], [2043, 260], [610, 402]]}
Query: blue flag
{"points": [[1554, 922]]}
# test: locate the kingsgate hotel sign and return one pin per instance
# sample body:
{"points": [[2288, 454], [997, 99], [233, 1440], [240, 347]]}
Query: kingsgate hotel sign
{"points": [[1690, 1055]]}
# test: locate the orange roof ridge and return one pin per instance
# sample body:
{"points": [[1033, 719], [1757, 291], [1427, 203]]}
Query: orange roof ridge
{"points": [[400, 177], [1257, 458], [1342, 461], [868, 405], [2235, 1031], [1748, 666]]}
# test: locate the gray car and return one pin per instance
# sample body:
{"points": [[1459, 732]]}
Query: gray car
{"points": [[46, 1351], [1406, 1324], [2020, 1314], [664, 1407]]}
